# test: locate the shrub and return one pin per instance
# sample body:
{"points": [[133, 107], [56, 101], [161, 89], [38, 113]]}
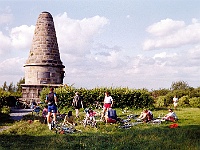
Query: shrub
{"points": [[5, 110], [194, 102], [123, 97], [184, 101], [161, 101], [4, 95]]}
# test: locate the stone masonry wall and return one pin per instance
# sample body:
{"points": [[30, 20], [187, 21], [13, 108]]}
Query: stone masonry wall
{"points": [[43, 67]]}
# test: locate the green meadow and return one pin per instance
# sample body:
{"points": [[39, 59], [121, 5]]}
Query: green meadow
{"points": [[36, 135]]}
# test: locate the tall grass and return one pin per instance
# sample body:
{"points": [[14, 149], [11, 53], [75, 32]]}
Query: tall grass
{"points": [[26, 135]]}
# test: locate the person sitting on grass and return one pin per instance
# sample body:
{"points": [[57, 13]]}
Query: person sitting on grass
{"points": [[146, 115], [111, 116], [90, 117], [45, 113], [69, 119], [171, 116]]}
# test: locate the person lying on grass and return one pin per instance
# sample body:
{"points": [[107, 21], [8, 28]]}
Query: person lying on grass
{"points": [[146, 115], [69, 119], [171, 116]]}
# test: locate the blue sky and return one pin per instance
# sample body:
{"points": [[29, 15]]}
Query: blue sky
{"points": [[129, 43]]}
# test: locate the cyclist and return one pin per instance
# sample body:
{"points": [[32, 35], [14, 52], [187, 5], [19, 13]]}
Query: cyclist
{"points": [[52, 100]]}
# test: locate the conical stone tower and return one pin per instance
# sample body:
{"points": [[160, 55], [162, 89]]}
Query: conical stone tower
{"points": [[43, 66]]}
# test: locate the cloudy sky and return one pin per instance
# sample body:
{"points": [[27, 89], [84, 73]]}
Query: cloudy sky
{"points": [[104, 43]]}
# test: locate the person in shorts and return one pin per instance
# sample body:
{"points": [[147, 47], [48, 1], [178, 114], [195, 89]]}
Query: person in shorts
{"points": [[108, 103], [77, 103], [52, 100], [175, 102]]}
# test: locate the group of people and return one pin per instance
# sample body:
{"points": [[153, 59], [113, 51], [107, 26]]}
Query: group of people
{"points": [[147, 115], [51, 109], [108, 114]]}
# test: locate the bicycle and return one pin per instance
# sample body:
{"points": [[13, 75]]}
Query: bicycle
{"points": [[59, 119]]}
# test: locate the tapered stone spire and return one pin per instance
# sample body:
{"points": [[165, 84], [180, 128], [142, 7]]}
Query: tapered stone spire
{"points": [[43, 65]]}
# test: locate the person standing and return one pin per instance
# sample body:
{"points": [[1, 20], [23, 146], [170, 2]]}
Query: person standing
{"points": [[108, 103], [52, 101], [175, 102], [77, 103]]}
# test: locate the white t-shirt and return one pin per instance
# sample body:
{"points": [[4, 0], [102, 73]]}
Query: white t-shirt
{"points": [[172, 114], [108, 99], [175, 100]]}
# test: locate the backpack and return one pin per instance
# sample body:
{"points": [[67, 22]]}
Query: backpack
{"points": [[112, 114], [51, 98], [77, 101]]}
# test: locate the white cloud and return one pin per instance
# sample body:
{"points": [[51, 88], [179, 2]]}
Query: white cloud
{"points": [[76, 36], [164, 55], [11, 70], [22, 37], [90, 64], [165, 27], [12, 66], [172, 34], [5, 43], [194, 53], [19, 38]]}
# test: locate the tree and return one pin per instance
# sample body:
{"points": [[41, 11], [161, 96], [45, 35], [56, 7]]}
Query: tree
{"points": [[19, 87], [5, 87], [179, 85], [11, 88]]}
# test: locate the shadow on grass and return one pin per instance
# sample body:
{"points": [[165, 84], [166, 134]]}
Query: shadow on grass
{"points": [[5, 119], [161, 137]]}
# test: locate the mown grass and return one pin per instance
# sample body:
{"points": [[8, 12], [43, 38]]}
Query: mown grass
{"points": [[25, 135]]}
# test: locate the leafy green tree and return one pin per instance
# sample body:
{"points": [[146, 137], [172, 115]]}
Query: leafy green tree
{"points": [[19, 87], [179, 85], [160, 92], [5, 87], [11, 88]]}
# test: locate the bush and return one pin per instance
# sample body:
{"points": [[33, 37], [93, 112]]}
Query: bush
{"points": [[161, 101], [195, 102], [184, 101], [123, 97], [5, 110]]}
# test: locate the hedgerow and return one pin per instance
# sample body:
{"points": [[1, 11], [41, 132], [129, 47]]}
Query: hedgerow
{"points": [[123, 97]]}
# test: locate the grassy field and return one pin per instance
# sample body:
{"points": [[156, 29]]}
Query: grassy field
{"points": [[24, 135]]}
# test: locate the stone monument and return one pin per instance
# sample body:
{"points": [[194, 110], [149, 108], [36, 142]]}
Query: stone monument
{"points": [[43, 67]]}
